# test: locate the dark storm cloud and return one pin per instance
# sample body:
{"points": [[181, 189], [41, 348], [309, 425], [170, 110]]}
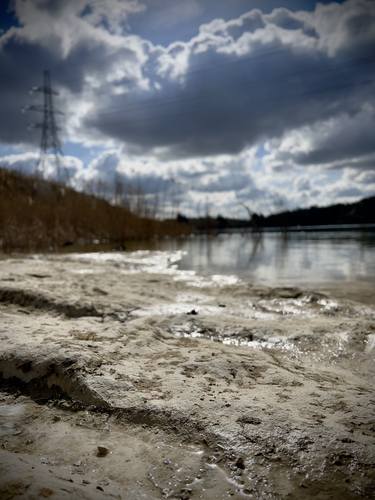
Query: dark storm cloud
{"points": [[226, 109], [53, 36], [23, 61], [363, 162], [250, 79], [352, 137], [21, 68]]}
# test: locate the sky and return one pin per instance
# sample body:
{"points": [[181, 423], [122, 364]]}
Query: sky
{"points": [[203, 105]]}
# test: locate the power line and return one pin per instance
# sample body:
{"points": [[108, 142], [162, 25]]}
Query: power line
{"points": [[196, 100], [154, 102], [342, 65]]}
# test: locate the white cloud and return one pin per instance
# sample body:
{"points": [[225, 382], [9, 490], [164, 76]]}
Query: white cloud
{"points": [[26, 163]]}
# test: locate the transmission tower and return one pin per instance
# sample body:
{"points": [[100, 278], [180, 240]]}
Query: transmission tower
{"points": [[49, 142]]}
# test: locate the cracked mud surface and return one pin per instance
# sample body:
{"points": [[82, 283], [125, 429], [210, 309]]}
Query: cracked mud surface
{"points": [[197, 387]]}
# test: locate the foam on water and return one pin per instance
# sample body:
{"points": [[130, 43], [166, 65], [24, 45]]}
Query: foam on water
{"points": [[152, 262], [145, 259]]}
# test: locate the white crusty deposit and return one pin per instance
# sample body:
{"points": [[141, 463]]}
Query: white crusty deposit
{"points": [[270, 389]]}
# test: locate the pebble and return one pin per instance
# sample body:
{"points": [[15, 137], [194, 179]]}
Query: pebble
{"points": [[102, 451], [46, 492], [240, 464]]}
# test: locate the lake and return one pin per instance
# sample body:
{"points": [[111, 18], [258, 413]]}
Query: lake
{"points": [[330, 259]]}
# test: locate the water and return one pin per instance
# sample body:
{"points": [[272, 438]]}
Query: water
{"points": [[283, 258]]}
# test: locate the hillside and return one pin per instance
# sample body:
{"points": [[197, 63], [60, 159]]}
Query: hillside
{"points": [[41, 215], [361, 212]]}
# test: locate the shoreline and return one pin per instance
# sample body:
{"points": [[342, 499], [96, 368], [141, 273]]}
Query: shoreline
{"points": [[270, 387]]}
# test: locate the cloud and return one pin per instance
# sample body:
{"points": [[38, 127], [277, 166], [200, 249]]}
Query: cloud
{"points": [[25, 163], [352, 186], [186, 182], [223, 184], [113, 14], [236, 83], [342, 138], [246, 80], [83, 56], [169, 13], [336, 144]]}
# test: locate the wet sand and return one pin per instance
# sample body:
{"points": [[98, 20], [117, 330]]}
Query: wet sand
{"points": [[194, 387]]}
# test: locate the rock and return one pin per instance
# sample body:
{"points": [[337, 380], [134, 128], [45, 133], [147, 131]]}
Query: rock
{"points": [[249, 420], [46, 492], [240, 464], [347, 440], [102, 451]]}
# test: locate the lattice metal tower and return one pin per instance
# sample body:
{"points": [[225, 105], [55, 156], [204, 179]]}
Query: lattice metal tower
{"points": [[49, 142]]}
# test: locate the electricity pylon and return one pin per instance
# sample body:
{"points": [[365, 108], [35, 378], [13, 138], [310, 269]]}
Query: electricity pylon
{"points": [[49, 141]]}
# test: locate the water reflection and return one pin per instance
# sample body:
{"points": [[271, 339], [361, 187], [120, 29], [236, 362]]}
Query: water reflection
{"points": [[282, 257]]}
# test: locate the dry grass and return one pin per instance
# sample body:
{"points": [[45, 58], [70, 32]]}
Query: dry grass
{"points": [[41, 215]]}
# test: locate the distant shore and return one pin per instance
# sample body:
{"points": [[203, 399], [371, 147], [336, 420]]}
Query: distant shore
{"points": [[281, 229]]}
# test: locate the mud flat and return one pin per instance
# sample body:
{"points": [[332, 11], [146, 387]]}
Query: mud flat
{"points": [[124, 377]]}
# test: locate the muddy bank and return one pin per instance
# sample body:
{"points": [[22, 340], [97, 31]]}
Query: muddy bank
{"points": [[215, 388]]}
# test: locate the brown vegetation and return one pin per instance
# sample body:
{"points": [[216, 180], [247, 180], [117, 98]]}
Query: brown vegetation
{"points": [[37, 214]]}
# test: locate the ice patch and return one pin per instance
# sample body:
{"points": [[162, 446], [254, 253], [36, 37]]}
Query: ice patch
{"points": [[152, 262], [329, 305], [175, 309], [189, 330], [156, 261], [224, 280], [271, 343], [82, 271], [370, 346]]}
